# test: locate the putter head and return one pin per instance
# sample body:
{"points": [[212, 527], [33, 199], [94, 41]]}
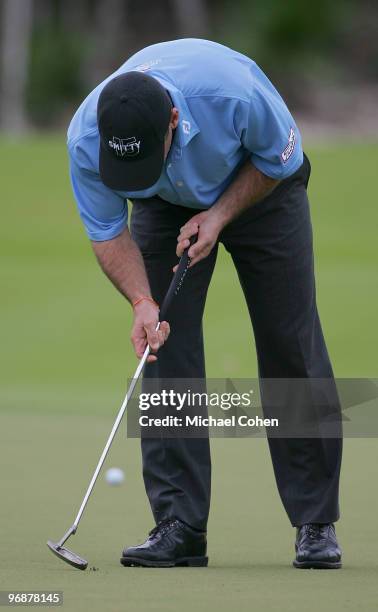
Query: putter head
{"points": [[67, 555]]}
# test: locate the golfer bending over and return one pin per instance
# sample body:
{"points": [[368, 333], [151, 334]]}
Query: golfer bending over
{"points": [[198, 138]]}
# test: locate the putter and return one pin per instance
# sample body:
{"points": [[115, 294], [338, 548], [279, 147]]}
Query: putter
{"points": [[57, 547]]}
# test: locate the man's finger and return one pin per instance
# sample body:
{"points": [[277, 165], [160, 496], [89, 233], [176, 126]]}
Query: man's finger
{"points": [[201, 247], [153, 339], [160, 338], [165, 329], [188, 230], [182, 246], [139, 345], [201, 254]]}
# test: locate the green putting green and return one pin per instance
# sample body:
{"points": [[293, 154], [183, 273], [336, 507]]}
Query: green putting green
{"points": [[65, 362]]}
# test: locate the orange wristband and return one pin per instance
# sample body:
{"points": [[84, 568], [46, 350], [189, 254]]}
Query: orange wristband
{"points": [[145, 298]]}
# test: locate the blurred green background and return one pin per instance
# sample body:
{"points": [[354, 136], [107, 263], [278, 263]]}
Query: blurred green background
{"points": [[322, 56], [66, 354]]}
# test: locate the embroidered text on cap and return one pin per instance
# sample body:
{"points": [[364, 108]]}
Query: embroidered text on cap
{"points": [[125, 147]]}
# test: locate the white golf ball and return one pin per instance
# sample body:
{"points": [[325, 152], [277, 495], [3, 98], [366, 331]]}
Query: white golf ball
{"points": [[114, 476]]}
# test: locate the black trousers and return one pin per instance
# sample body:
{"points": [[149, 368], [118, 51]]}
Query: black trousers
{"points": [[271, 247]]}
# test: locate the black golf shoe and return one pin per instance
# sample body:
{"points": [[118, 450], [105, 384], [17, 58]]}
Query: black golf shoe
{"points": [[171, 543], [316, 547]]}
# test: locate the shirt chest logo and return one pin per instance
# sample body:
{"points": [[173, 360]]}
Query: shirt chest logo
{"points": [[186, 127], [125, 147]]}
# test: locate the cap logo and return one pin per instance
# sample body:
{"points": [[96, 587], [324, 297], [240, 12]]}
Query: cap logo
{"points": [[125, 147]]}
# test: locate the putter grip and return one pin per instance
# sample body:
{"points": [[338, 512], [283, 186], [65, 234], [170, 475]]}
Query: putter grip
{"points": [[177, 281]]}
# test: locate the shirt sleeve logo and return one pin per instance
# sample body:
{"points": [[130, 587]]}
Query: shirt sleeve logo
{"points": [[288, 150], [125, 147]]}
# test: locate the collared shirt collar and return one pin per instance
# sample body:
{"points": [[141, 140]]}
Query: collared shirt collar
{"points": [[187, 127]]}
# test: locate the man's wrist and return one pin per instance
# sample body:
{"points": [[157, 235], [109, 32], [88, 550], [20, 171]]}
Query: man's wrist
{"points": [[220, 216], [144, 298]]}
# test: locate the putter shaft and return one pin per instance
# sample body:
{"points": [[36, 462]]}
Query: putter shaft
{"points": [[142, 362], [110, 440]]}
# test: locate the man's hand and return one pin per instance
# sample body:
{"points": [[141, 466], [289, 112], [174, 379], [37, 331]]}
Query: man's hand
{"points": [[248, 187], [146, 317], [208, 225]]}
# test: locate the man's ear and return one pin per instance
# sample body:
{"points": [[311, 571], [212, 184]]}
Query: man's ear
{"points": [[174, 118]]}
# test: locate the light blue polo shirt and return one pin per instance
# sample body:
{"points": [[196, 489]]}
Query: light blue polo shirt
{"points": [[229, 111]]}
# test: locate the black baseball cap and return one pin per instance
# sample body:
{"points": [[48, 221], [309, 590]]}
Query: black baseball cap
{"points": [[133, 114]]}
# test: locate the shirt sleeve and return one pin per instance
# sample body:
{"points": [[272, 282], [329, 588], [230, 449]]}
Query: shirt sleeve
{"points": [[103, 212], [271, 134]]}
